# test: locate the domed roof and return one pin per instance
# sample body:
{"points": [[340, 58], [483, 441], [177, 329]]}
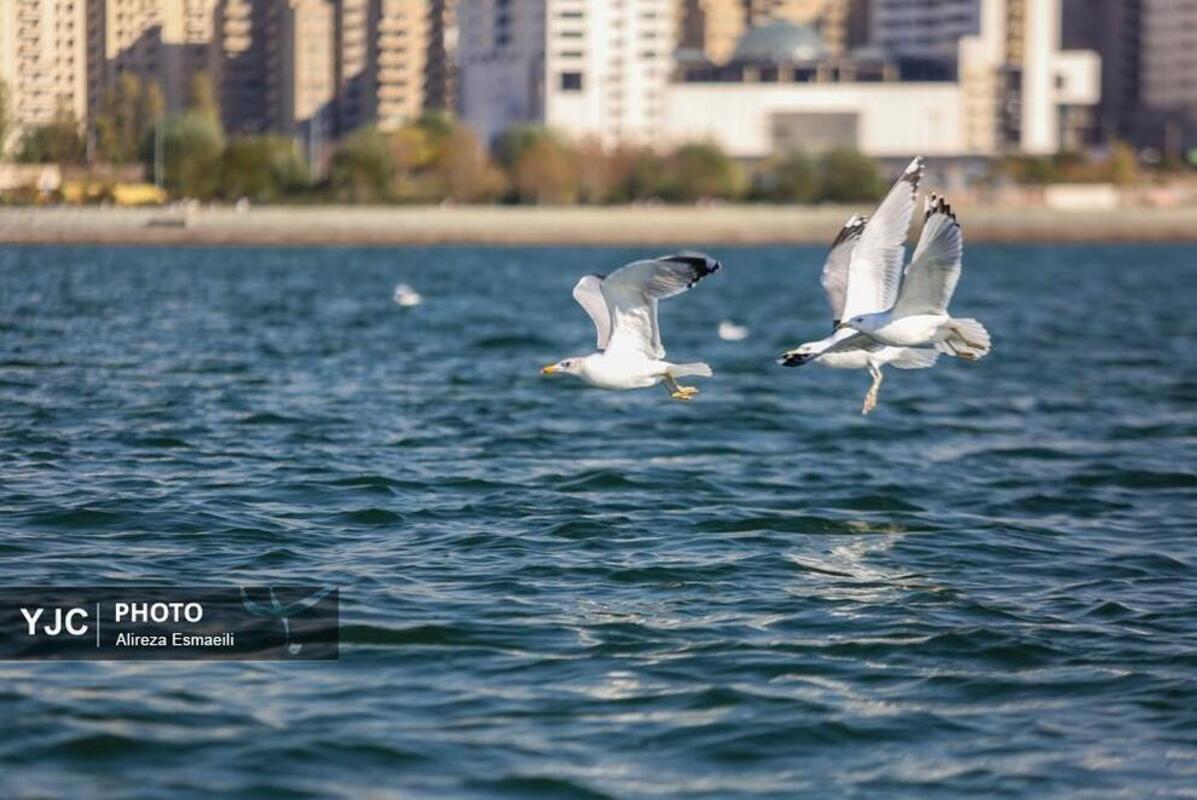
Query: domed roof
{"points": [[779, 42]]}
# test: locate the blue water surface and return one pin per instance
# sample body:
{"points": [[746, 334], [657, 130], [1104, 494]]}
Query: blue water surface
{"points": [[985, 588]]}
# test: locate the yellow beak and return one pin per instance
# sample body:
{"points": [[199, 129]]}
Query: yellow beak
{"points": [[549, 370]]}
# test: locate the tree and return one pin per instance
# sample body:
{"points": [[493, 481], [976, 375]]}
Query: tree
{"points": [[700, 171], [791, 179], [59, 142], [262, 168], [1123, 166], [463, 171], [5, 120], [516, 141], [201, 99], [636, 174], [849, 177], [127, 116], [191, 155], [545, 173], [362, 167]]}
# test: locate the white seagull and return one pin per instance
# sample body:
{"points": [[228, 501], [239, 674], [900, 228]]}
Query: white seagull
{"points": [[920, 314], [623, 306], [731, 331], [879, 240], [406, 296]]}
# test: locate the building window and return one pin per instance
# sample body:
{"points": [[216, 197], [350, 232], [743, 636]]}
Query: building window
{"points": [[571, 81]]}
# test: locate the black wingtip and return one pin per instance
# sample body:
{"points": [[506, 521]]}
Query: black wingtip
{"points": [[851, 230], [938, 204], [702, 264]]}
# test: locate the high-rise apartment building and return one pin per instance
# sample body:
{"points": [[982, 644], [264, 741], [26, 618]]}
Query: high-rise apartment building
{"points": [[440, 70], [501, 62], [160, 41], [1022, 91], [924, 28], [239, 65], [1169, 69], [380, 51], [299, 68], [400, 54], [1112, 29], [712, 27], [43, 59], [585, 67]]}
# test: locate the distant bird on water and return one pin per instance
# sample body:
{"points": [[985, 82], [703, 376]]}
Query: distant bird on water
{"points": [[877, 241], [406, 296], [730, 331], [623, 306]]}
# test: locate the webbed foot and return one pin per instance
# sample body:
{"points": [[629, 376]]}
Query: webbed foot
{"points": [[684, 393]]}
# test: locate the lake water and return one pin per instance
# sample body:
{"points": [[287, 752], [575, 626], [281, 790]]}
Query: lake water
{"points": [[987, 587]]}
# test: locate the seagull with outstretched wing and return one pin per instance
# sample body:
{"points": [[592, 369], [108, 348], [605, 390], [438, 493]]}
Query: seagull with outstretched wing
{"points": [[918, 314], [875, 246], [623, 306]]}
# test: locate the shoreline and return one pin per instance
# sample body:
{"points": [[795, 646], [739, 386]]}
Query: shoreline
{"points": [[389, 226]]}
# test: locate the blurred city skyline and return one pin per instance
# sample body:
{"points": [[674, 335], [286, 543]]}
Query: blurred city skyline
{"points": [[757, 78]]}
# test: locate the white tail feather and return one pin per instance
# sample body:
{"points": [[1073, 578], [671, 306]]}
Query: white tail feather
{"points": [[915, 358], [695, 369], [968, 339]]}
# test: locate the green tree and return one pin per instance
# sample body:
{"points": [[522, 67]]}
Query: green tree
{"points": [[127, 116], [261, 168], [1123, 165], [794, 178], [191, 149], [516, 141], [700, 171], [5, 119], [59, 142], [849, 177], [637, 174], [462, 170], [201, 99], [362, 167], [546, 173]]}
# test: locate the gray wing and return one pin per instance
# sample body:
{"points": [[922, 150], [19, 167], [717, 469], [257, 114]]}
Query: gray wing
{"points": [[935, 268], [589, 294], [633, 291], [875, 268], [835, 266]]}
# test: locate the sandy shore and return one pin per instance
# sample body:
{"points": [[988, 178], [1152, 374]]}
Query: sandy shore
{"points": [[341, 225]]}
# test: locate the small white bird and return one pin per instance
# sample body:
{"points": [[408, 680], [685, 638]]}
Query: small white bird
{"points": [[406, 296], [623, 306], [879, 240], [920, 314], [731, 332]]}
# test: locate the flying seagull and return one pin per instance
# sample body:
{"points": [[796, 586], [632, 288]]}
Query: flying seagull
{"points": [[919, 316], [878, 240], [623, 306]]}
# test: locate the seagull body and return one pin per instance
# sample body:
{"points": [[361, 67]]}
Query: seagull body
{"points": [[919, 316], [729, 331], [623, 306], [406, 296], [879, 240]]}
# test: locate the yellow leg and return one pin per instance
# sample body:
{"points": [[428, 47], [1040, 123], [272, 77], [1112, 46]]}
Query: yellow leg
{"points": [[678, 392], [870, 401]]}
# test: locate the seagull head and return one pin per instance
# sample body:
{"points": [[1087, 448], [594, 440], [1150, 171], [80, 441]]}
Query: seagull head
{"points": [[569, 366], [865, 323]]}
